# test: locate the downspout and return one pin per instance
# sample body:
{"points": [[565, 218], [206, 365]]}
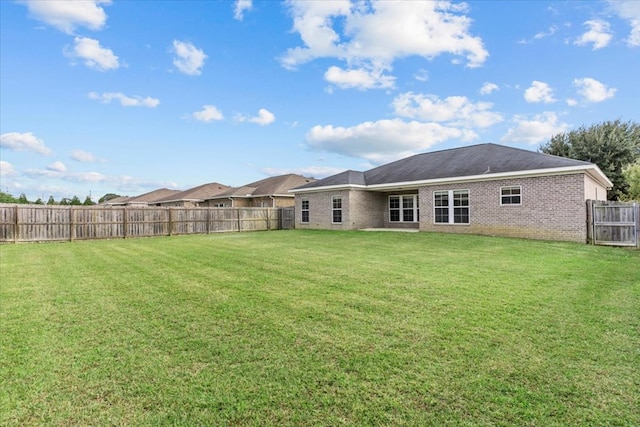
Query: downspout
{"points": [[231, 198], [273, 201]]}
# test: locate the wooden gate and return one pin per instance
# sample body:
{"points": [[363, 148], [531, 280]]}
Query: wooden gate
{"points": [[614, 223], [287, 218]]}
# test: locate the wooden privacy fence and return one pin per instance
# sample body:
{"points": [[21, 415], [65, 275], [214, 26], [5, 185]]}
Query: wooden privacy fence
{"points": [[613, 223], [38, 223]]}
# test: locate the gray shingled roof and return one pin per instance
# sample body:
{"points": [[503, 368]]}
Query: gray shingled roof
{"points": [[482, 159], [269, 186], [152, 196], [198, 193]]}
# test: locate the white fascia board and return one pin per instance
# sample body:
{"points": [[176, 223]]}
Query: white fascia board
{"points": [[330, 187], [270, 195], [596, 173]]}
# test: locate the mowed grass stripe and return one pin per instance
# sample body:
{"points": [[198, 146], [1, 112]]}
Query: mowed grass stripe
{"points": [[319, 328]]}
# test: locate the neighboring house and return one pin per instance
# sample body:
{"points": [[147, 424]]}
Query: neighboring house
{"points": [[270, 192], [117, 201], [193, 197], [146, 199], [482, 189]]}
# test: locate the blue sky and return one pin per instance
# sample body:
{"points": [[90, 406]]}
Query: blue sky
{"points": [[127, 97]]}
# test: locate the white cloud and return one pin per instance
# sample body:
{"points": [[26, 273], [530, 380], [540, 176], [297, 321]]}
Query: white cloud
{"points": [[67, 15], [543, 34], [57, 166], [571, 102], [23, 142], [358, 78], [59, 171], [383, 140], [488, 88], [599, 34], [629, 10], [372, 35], [123, 183], [208, 114], [7, 169], [240, 7], [539, 129], [83, 156], [421, 75], [125, 101], [539, 92], [93, 55], [592, 90], [264, 117], [189, 59], [453, 110]]}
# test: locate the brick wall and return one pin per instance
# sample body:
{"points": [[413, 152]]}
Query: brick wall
{"points": [[360, 209], [553, 208]]}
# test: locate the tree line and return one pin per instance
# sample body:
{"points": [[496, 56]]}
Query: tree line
{"points": [[65, 201]]}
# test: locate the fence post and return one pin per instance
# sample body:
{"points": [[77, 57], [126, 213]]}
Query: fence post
{"points": [[239, 222], [170, 221], [589, 221], [16, 226], [125, 223], [636, 209], [71, 224]]}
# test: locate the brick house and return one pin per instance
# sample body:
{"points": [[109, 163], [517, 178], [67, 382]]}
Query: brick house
{"points": [[193, 197], [147, 199], [482, 189], [272, 192]]}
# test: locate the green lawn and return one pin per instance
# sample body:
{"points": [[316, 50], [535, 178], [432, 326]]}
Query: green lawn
{"points": [[319, 328]]}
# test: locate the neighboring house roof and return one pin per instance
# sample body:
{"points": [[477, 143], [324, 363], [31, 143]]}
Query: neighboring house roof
{"points": [[121, 200], [272, 186], [476, 162], [152, 196], [196, 194]]}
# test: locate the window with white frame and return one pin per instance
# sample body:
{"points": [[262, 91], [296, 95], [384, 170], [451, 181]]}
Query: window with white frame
{"points": [[404, 208], [511, 195], [336, 209], [451, 207], [304, 211]]}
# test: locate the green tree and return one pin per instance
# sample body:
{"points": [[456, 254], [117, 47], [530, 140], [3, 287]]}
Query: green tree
{"points": [[75, 201], [632, 175], [88, 201], [612, 145], [23, 199], [51, 201], [65, 201], [7, 198], [39, 201]]}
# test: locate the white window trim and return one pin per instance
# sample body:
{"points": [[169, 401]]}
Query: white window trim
{"points": [[450, 207], [416, 208], [335, 209], [510, 204], [304, 210]]}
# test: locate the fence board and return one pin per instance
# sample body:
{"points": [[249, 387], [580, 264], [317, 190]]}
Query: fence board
{"points": [[39, 223]]}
